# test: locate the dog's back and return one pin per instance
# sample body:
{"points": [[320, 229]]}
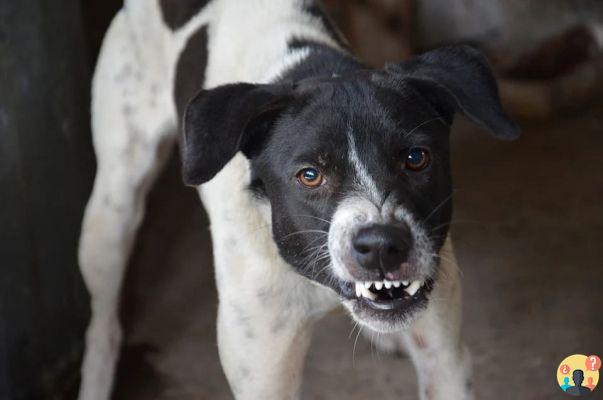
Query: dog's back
{"points": [[191, 44]]}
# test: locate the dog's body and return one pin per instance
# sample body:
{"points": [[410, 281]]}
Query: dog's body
{"points": [[156, 56]]}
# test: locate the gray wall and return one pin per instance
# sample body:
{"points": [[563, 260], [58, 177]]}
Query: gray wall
{"points": [[46, 170]]}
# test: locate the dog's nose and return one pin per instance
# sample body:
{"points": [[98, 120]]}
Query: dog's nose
{"points": [[382, 247]]}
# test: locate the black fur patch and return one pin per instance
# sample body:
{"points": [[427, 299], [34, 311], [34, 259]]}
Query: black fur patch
{"points": [[176, 13], [190, 71]]}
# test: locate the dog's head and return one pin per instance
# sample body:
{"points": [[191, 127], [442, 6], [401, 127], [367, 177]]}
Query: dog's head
{"points": [[356, 170]]}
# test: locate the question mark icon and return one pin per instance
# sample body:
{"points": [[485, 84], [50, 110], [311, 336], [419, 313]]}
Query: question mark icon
{"points": [[593, 363]]}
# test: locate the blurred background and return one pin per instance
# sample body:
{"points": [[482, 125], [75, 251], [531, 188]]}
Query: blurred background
{"points": [[528, 219]]}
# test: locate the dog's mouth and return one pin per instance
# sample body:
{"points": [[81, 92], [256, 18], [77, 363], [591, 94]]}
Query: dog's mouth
{"points": [[388, 302], [392, 295]]}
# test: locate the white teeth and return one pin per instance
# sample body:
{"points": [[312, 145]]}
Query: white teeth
{"points": [[363, 288], [413, 288], [362, 291]]}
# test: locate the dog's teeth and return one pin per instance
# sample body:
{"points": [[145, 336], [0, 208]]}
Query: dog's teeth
{"points": [[367, 284], [368, 294], [362, 291], [413, 288], [396, 284], [378, 285], [387, 284], [405, 283]]}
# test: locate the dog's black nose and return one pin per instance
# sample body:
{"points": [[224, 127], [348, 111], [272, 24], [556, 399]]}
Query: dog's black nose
{"points": [[382, 247]]}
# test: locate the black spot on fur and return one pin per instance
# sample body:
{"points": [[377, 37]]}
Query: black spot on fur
{"points": [[190, 71], [176, 13]]}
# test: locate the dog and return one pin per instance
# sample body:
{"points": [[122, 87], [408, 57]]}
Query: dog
{"points": [[326, 182]]}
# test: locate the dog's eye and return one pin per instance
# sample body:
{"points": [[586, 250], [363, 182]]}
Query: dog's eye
{"points": [[416, 159], [310, 177]]}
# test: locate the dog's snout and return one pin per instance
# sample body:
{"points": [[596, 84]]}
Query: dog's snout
{"points": [[382, 247]]}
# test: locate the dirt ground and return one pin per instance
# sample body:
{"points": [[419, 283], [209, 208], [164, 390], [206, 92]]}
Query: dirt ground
{"points": [[527, 226]]}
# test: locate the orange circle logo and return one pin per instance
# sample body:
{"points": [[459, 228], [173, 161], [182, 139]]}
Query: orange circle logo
{"points": [[578, 375]]}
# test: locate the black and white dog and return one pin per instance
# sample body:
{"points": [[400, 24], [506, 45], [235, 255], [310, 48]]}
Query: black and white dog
{"points": [[326, 182]]}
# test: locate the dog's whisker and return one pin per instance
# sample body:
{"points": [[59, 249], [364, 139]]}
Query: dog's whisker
{"points": [[354, 349], [316, 275], [313, 217], [311, 258], [447, 199], [317, 231], [353, 328], [318, 255], [407, 134], [310, 246]]}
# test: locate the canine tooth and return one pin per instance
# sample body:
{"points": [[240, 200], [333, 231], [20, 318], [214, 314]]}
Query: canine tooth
{"points": [[396, 284], [413, 288], [405, 283], [387, 284], [378, 285], [368, 294], [367, 284], [358, 289]]}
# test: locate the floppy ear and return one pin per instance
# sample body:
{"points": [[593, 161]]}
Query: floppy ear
{"points": [[459, 79], [222, 121]]}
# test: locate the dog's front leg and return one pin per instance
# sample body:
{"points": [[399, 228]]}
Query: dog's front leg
{"points": [[264, 329], [434, 343], [262, 356]]}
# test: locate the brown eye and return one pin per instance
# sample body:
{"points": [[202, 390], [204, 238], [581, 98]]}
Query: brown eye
{"points": [[416, 159], [310, 177]]}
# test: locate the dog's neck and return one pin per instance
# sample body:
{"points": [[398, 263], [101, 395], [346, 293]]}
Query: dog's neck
{"points": [[312, 60]]}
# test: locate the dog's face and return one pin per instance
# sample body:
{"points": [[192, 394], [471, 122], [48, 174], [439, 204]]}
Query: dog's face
{"points": [[358, 179], [356, 170]]}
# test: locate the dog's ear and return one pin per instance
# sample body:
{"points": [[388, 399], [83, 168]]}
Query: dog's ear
{"points": [[458, 79], [222, 121]]}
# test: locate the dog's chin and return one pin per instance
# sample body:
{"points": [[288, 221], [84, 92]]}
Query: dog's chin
{"points": [[386, 310]]}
